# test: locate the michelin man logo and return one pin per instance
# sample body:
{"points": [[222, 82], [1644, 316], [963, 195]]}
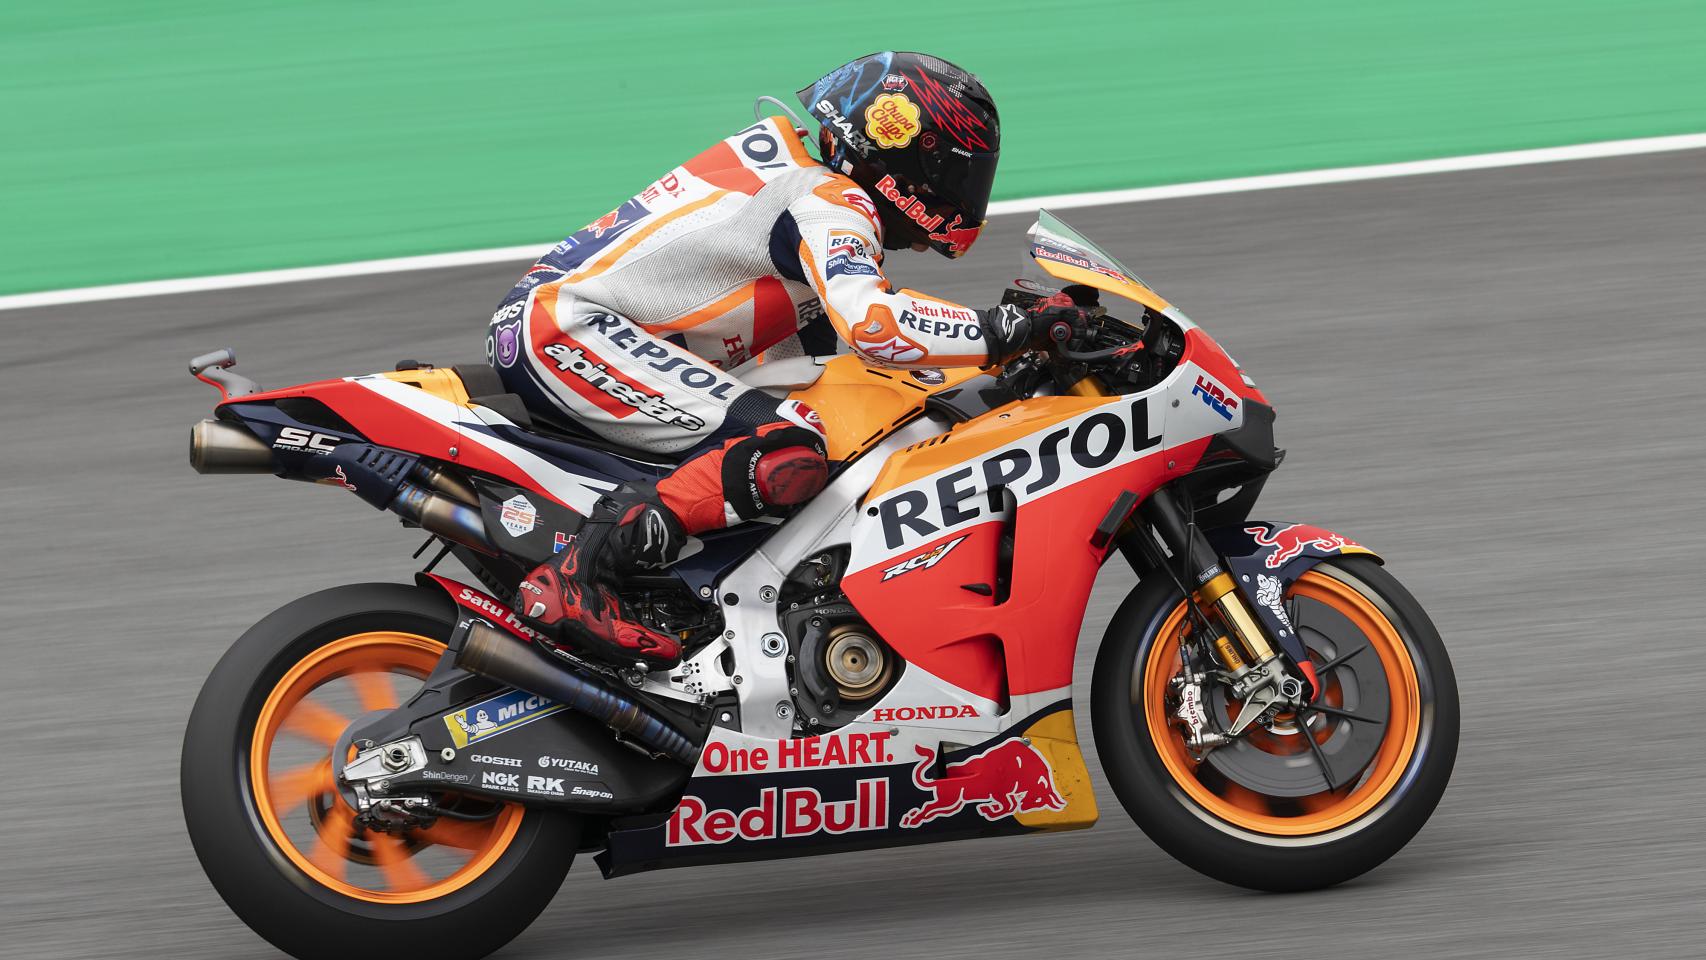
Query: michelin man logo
{"points": [[1270, 594], [481, 725]]}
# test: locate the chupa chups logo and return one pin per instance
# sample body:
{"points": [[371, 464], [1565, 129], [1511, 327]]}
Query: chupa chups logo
{"points": [[781, 813], [923, 561], [499, 715], [1290, 541], [1214, 396], [892, 120], [909, 205], [1010, 777], [1031, 466]]}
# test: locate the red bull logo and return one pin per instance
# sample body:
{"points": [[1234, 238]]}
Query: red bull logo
{"points": [[1290, 541], [1010, 777], [958, 239], [781, 814], [605, 223], [908, 204]]}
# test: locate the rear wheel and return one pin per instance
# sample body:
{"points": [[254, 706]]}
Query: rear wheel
{"points": [[277, 838], [1319, 796]]}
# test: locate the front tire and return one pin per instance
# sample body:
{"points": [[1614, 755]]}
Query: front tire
{"points": [[277, 840], [1255, 819]]}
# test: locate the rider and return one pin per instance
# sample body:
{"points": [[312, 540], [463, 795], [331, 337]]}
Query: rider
{"points": [[630, 325]]}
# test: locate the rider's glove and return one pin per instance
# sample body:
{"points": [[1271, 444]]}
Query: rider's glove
{"points": [[1060, 320], [1010, 331], [1006, 332]]}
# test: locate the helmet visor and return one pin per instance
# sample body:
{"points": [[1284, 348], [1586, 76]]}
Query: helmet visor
{"points": [[962, 178]]}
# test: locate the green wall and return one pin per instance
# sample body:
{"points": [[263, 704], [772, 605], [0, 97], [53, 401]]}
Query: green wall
{"points": [[161, 138]]}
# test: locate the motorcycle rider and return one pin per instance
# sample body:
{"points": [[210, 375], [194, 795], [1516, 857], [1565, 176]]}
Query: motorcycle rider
{"points": [[630, 325]]}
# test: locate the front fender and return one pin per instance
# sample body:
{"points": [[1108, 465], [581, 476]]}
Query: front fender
{"points": [[1266, 556]]}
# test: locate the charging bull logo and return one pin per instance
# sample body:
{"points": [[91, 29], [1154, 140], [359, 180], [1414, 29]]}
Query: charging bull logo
{"points": [[1010, 777], [1290, 541]]}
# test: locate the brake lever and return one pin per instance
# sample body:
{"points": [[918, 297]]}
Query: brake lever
{"points": [[1092, 356]]}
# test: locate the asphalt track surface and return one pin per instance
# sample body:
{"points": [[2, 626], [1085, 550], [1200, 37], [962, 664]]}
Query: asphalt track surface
{"points": [[1493, 378]]}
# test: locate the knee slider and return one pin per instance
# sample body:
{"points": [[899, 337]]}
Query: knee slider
{"points": [[790, 475], [782, 465]]}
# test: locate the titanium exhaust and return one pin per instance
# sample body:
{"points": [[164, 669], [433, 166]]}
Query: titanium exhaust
{"points": [[444, 516], [494, 653], [220, 447]]}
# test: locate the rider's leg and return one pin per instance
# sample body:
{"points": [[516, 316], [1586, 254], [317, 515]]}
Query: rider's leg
{"points": [[747, 454]]}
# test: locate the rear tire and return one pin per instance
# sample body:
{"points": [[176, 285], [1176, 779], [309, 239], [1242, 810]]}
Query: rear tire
{"points": [[1266, 850], [282, 893]]}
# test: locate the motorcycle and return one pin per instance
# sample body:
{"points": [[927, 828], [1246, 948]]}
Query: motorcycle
{"points": [[408, 768]]}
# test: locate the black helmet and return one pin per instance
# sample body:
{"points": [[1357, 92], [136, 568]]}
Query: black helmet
{"points": [[921, 136]]}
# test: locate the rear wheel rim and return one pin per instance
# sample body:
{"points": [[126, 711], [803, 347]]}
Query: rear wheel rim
{"points": [[305, 816], [1328, 810]]}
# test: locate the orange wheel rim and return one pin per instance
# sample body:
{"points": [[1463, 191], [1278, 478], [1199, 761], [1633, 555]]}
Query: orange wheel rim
{"points": [[1327, 810], [297, 799]]}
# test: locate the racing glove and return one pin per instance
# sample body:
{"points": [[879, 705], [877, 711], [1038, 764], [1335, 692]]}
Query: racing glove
{"points": [[1006, 332], [1010, 331], [1062, 320]]}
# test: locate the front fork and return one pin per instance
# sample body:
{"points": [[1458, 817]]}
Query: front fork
{"points": [[1260, 676]]}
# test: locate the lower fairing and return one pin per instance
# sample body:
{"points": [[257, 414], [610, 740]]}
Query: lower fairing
{"points": [[864, 786]]}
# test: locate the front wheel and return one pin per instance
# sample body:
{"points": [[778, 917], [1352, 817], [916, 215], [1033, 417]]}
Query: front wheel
{"points": [[1271, 811], [276, 837]]}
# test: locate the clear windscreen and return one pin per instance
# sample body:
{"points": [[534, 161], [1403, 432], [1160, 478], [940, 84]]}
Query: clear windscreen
{"points": [[1059, 256]]}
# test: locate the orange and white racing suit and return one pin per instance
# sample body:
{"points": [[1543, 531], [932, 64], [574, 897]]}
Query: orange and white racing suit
{"points": [[631, 325]]}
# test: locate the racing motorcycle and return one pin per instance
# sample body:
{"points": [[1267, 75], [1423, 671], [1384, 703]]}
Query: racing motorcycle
{"points": [[408, 770]]}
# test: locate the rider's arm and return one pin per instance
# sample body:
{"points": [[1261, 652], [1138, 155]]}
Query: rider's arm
{"points": [[842, 258]]}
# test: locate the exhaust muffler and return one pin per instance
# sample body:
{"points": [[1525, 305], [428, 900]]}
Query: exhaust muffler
{"points": [[220, 447], [501, 656], [447, 517]]}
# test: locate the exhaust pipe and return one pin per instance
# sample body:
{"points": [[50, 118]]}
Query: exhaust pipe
{"points": [[220, 447], [446, 517], [494, 653]]}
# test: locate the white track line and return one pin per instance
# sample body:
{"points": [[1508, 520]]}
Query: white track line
{"points": [[1274, 181]]}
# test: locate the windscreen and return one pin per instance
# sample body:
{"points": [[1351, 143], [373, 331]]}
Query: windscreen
{"points": [[1059, 256]]}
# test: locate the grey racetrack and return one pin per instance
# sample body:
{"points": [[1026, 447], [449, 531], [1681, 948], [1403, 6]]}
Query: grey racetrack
{"points": [[1495, 379]]}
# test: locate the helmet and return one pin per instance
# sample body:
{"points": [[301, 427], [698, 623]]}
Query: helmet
{"points": [[921, 136]]}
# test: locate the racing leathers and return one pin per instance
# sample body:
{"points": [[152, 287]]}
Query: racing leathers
{"points": [[631, 325]]}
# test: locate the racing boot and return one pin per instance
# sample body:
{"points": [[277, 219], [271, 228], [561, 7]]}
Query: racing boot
{"points": [[570, 598]]}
